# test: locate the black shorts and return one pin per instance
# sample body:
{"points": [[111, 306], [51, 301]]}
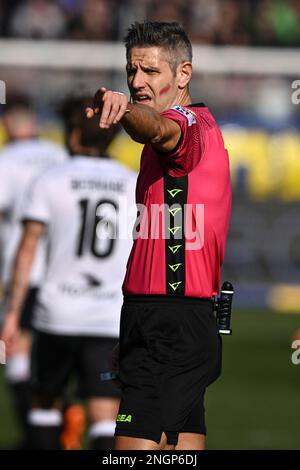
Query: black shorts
{"points": [[58, 358], [28, 307], [170, 351]]}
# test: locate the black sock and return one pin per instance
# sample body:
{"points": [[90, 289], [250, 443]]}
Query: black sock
{"points": [[102, 443], [45, 437], [21, 392], [21, 395]]}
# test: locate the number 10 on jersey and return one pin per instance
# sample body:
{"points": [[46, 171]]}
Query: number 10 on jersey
{"points": [[98, 227]]}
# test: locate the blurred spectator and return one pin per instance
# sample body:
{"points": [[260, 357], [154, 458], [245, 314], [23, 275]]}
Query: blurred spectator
{"points": [[232, 22], [72, 10], [96, 21], [7, 8], [218, 22], [38, 19], [277, 23], [71, 6], [128, 12], [233, 27], [2, 15], [173, 10], [204, 20]]}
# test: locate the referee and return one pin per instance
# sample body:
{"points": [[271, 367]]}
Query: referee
{"points": [[170, 349]]}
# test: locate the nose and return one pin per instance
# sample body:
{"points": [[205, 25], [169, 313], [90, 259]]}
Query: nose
{"points": [[138, 81]]}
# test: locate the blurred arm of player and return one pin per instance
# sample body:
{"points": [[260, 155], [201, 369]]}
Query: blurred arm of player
{"points": [[143, 123], [32, 233], [2, 218]]}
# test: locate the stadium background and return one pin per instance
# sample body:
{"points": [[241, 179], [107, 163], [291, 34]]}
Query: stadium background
{"points": [[245, 55]]}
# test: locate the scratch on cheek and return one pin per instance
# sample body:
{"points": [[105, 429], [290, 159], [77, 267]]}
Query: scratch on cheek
{"points": [[165, 90]]}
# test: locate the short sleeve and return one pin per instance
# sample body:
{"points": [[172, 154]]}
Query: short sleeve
{"points": [[190, 147], [36, 205], [6, 186]]}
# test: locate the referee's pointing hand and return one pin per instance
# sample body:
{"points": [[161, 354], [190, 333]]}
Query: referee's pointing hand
{"points": [[110, 105]]}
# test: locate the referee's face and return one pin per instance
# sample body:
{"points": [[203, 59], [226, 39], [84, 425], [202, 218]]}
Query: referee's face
{"points": [[150, 79]]}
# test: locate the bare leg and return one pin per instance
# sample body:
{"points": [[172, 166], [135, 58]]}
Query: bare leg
{"points": [[136, 443], [103, 409], [190, 441]]}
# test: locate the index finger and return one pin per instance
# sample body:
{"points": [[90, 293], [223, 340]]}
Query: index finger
{"points": [[98, 99], [97, 102]]}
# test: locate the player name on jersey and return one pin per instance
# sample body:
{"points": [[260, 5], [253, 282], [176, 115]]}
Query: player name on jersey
{"points": [[96, 185]]}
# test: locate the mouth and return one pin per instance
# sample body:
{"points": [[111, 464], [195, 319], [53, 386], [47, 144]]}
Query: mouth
{"points": [[142, 99]]}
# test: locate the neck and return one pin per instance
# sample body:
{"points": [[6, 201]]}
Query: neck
{"points": [[183, 98]]}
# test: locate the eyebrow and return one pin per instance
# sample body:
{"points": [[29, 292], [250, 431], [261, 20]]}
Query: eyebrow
{"points": [[130, 66], [149, 67]]}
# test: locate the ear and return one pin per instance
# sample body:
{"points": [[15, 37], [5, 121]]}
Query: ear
{"points": [[184, 74]]}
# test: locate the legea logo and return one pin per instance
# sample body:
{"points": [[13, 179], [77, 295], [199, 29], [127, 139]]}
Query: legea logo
{"points": [[2, 353], [2, 92]]}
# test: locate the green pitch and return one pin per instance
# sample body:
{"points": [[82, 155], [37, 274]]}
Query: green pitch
{"points": [[254, 405]]}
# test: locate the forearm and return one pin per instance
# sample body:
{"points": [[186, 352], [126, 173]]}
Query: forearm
{"points": [[142, 123], [22, 266], [20, 280]]}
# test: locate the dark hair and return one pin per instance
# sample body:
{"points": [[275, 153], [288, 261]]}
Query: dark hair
{"points": [[170, 36], [92, 136]]}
